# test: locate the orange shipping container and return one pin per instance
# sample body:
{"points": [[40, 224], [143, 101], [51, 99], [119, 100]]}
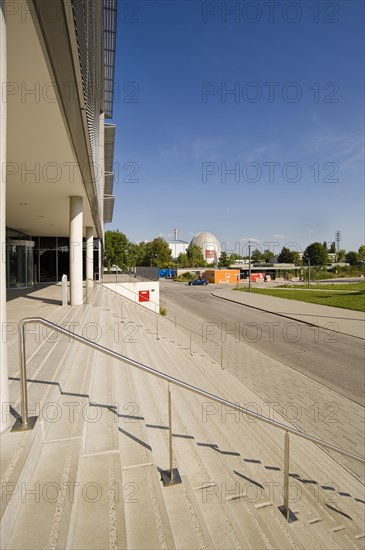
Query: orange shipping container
{"points": [[222, 276]]}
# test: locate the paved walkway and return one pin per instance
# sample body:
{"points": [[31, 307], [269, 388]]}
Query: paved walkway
{"points": [[231, 467], [341, 320], [306, 403]]}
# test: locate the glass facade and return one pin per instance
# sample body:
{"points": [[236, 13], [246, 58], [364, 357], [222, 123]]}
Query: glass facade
{"points": [[32, 260], [19, 263]]}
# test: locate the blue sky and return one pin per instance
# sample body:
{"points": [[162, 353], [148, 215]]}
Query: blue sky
{"points": [[277, 160]]}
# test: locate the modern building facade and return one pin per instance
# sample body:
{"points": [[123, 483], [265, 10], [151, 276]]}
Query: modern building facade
{"points": [[57, 151]]}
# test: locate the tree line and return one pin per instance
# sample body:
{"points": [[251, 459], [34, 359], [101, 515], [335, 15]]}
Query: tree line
{"points": [[121, 252]]}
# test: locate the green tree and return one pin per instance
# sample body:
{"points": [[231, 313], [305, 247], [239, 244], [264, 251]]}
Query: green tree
{"points": [[316, 253], [296, 257], [286, 256], [115, 252], [141, 253], [182, 260], [256, 256], [224, 261], [132, 254], [325, 245], [361, 253], [333, 248], [341, 255], [352, 258], [158, 253], [195, 256], [233, 257], [266, 256]]}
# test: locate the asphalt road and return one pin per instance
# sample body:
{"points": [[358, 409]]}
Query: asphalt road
{"points": [[333, 359]]}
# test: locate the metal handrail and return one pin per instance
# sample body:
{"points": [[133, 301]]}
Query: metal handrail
{"points": [[27, 424], [157, 314]]}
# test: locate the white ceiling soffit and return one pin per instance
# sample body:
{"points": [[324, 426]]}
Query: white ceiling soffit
{"points": [[42, 170]]}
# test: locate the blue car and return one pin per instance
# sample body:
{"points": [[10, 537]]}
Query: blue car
{"points": [[199, 282]]}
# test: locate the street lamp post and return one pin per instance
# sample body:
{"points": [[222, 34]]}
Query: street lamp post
{"points": [[309, 272], [249, 266]]}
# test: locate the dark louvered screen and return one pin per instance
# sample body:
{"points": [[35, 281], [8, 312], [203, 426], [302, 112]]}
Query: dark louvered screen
{"points": [[89, 23]]}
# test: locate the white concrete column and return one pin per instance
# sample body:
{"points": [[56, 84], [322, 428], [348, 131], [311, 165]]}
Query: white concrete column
{"points": [[89, 253], [4, 382], [76, 251]]}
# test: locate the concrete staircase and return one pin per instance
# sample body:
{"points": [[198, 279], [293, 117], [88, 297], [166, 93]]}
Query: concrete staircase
{"points": [[88, 475]]}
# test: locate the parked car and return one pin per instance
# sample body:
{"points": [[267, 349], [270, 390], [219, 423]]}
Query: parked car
{"points": [[199, 282]]}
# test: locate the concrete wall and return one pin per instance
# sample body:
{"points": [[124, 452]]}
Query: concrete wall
{"points": [[132, 292]]}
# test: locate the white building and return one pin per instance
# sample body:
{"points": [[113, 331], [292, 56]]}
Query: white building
{"points": [[209, 245], [57, 73], [178, 247]]}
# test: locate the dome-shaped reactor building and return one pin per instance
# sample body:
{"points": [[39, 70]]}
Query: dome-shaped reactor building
{"points": [[209, 245]]}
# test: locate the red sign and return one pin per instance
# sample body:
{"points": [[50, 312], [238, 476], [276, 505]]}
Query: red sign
{"points": [[257, 277], [144, 296]]}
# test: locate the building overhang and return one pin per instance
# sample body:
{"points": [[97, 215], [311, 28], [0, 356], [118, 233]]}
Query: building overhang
{"points": [[109, 199], [47, 154], [110, 24], [108, 208], [51, 150]]}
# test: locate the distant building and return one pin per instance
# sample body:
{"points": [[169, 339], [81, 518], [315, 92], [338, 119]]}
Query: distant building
{"points": [[209, 245], [178, 247]]}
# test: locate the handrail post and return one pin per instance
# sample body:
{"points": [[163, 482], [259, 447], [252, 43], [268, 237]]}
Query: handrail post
{"points": [[121, 310], [24, 423], [23, 377], [170, 476], [288, 514], [286, 475], [170, 431]]}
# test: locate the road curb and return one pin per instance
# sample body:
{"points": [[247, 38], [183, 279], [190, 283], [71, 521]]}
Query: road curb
{"points": [[283, 315]]}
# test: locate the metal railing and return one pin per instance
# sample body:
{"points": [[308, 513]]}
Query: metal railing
{"points": [[218, 357], [26, 423]]}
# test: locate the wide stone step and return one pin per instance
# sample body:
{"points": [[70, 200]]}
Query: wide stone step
{"points": [[99, 468], [24, 451], [47, 498], [330, 536]]}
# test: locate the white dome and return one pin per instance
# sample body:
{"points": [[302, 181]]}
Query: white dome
{"points": [[209, 245]]}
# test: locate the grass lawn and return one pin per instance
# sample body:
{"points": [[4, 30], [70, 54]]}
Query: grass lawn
{"points": [[330, 286], [353, 298]]}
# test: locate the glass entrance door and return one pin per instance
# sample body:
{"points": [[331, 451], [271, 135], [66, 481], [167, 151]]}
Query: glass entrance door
{"points": [[20, 263]]}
